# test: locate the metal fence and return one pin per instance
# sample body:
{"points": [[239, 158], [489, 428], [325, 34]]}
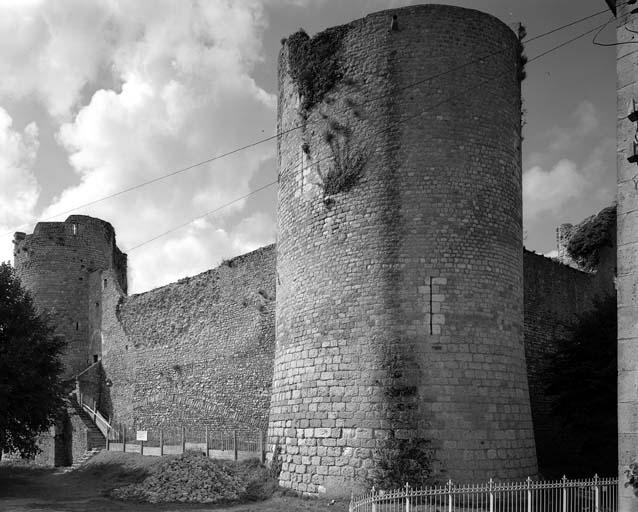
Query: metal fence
{"points": [[590, 495], [172, 439]]}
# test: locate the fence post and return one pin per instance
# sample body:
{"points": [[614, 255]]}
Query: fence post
{"points": [[206, 434], [596, 493], [235, 444], [123, 438], [407, 497], [262, 452], [374, 501], [564, 488], [161, 442], [529, 494], [183, 439], [450, 506], [491, 489]]}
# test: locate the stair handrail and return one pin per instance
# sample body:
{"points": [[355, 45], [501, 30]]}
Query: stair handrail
{"points": [[85, 370], [100, 421]]}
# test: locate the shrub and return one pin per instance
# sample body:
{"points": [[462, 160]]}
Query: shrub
{"points": [[347, 166], [403, 461], [194, 478], [590, 236]]}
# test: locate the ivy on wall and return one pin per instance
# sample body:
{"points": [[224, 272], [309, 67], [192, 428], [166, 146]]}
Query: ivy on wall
{"points": [[314, 63], [590, 236]]}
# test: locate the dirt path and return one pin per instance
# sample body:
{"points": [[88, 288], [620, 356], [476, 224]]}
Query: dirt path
{"points": [[29, 489]]}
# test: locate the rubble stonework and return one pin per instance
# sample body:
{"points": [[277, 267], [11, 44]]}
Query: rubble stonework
{"points": [[194, 352]]}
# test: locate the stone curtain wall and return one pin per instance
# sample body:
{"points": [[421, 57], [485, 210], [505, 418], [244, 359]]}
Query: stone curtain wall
{"points": [[400, 299], [196, 351], [54, 264], [554, 294]]}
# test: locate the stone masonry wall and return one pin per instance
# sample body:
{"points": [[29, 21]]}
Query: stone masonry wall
{"points": [[627, 229], [196, 351], [400, 298], [54, 264], [554, 295]]}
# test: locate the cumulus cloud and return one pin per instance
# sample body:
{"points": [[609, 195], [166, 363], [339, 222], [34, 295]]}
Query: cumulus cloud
{"points": [[585, 122], [253, 232], [571, 175], [18, 187], [197, 248], [180, 91], [545, 191], [586, 118], [51, 50]]}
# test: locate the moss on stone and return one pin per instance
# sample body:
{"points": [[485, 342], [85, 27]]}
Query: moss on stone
{"points": [[403, 461]]}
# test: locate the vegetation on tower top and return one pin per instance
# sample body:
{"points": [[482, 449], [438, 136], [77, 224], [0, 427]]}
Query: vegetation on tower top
{"points": [[590, 236], [314, 62]]}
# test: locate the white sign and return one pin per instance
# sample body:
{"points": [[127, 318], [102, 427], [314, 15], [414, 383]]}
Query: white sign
{"points": [[142, 435]]}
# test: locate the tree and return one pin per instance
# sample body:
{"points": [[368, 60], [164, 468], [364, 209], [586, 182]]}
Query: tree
{"points": [[31, 393], [582, 379], [590, 236]]}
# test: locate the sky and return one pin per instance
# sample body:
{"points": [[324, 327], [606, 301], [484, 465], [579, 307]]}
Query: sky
{"points": [[97, 96]]}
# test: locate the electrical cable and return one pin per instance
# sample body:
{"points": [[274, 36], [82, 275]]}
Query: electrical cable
{"points": [[565, 26], [279, 134], [206, 214], [569, 41], [429, 108], [616, 43]]}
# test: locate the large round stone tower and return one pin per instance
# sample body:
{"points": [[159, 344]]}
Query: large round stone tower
{"points": [[399, 257], [55, 264]]}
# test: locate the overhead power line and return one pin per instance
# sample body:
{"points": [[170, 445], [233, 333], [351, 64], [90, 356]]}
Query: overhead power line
{"points": [[402, 121], [296, 127], [205, 214]]}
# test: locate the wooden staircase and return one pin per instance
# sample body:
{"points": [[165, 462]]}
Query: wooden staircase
{"points": [[94, 437]]}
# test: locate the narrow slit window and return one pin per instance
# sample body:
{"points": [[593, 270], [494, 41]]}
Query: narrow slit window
{"points": [[431, 312], [77, 326], [74, 228], [104, 284]]}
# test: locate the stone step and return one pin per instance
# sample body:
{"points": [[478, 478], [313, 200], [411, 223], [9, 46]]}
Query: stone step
{"points": [[80, 462]]}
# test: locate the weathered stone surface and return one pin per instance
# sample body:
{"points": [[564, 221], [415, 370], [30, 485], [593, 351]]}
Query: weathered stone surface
{"points": [[400, 300], [55, 263], [196, 351], [627, 261]]}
